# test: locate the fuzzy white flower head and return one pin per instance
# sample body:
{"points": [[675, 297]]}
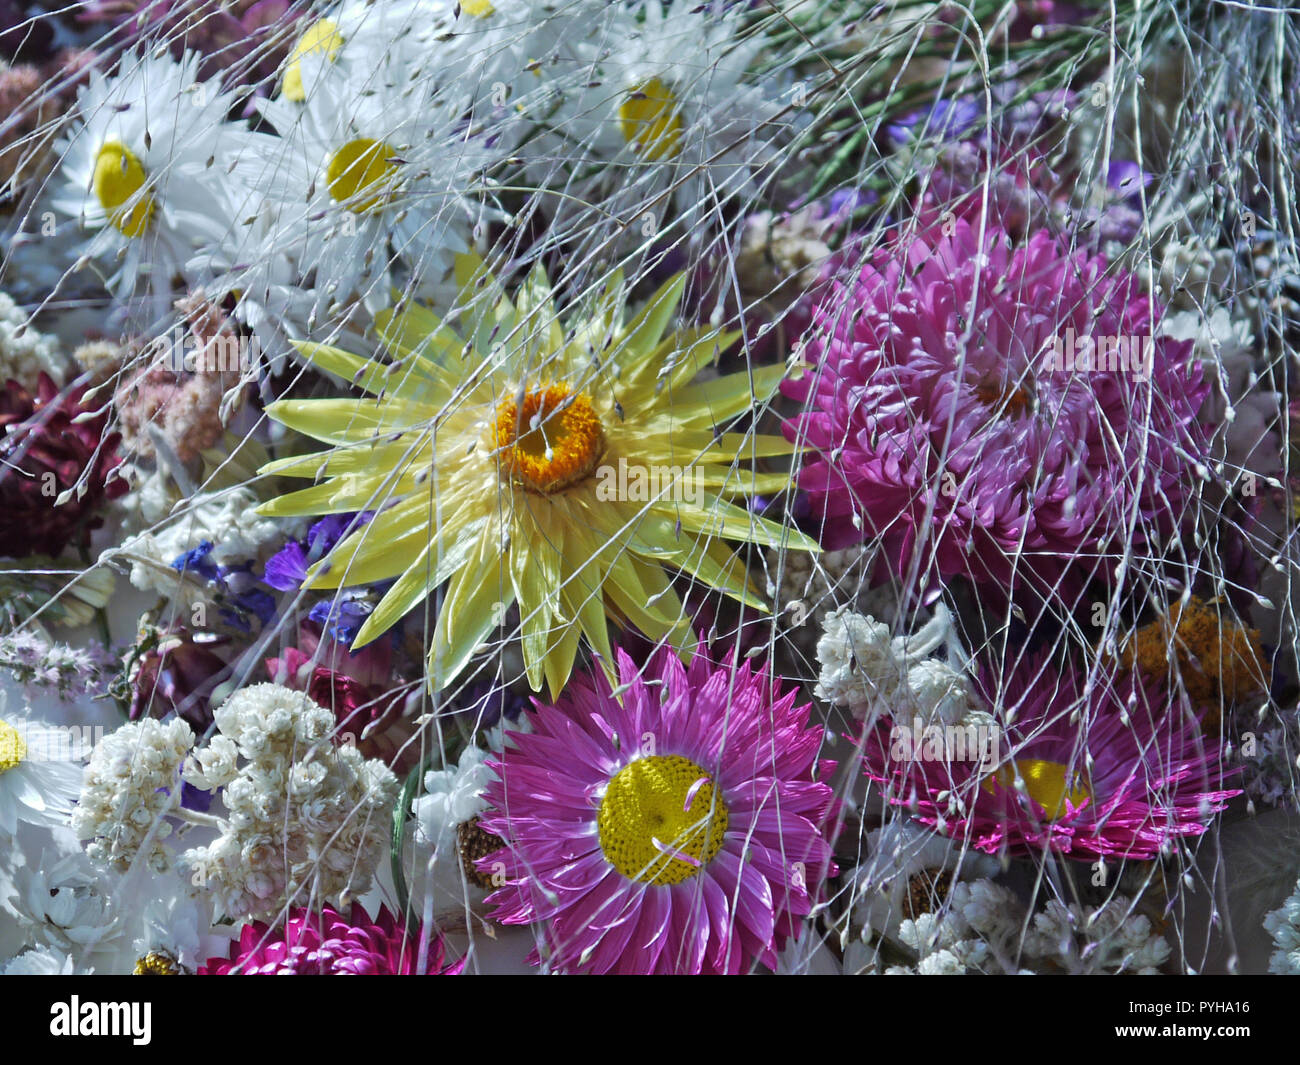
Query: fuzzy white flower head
{"points": [[940, 692], [1107, 939], [25, 352], [131, 784], [139, 166], [302, 814], [860, 667]]}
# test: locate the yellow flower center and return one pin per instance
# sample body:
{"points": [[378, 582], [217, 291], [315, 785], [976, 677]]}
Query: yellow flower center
{"points": [[1045, 783], [651, 120], [550, 442], [119, 179], [156, 963], [321, 36], [13, 748], [660, 821], [478, 8], [356, 166]]}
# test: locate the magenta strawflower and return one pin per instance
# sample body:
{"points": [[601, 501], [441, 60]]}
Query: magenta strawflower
{"points": [[681, 830], [327, 944], [1112, 772], [956, 415]]}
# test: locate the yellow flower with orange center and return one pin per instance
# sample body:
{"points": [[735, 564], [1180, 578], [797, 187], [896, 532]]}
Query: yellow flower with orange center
{"points": [[569, 470]]}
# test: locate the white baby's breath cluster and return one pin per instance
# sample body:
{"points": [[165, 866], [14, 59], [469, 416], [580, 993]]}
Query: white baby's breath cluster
{"points": [[131, 784], [26, 353], [871, 672], [1283, 924], [1092, 940], [304, 817], [980, 931]]}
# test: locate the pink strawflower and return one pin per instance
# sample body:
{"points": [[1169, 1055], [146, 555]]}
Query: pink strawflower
{"points": [[953, 419], [327, 944], [678, 828], [1108, 772]]}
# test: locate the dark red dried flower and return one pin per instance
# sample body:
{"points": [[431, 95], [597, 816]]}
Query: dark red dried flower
{"points": [[44, 453]]}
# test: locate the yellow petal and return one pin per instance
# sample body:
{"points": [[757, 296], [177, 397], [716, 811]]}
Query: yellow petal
{"points": [[643, 333], [349, 421], [735, 523], [434, 564], [405, 380], [535, 573], [354, 458], [476, 601], [723, 398]]}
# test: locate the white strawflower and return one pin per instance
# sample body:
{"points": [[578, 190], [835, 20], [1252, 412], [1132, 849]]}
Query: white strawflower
{"points": [[26, 353], [42, 961], [909, 871], [131, 785], [66, 904], [444, 823]]}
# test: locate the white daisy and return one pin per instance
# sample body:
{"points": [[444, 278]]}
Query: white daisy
{"points": [[667, 103], [347, 36], [140, 165], [364, 175], [250, 265], [514, 57], [40, 772]]}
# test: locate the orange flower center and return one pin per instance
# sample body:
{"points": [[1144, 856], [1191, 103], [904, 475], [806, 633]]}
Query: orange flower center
{"points": [[550, 441], [1010, 399]]}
